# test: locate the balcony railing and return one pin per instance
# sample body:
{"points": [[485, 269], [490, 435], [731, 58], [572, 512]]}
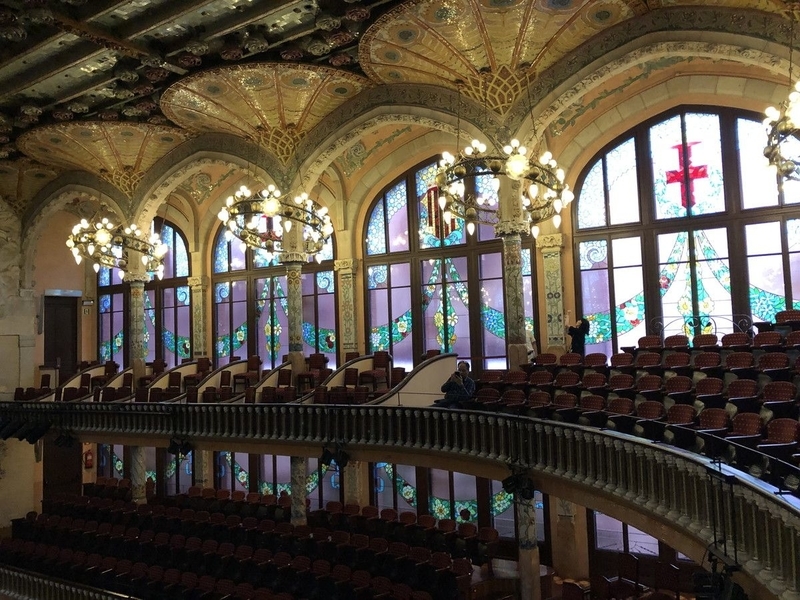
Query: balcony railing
{"points": [[739, 517]]}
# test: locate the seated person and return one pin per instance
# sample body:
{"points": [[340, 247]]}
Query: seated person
{"points": [[458, 388]]}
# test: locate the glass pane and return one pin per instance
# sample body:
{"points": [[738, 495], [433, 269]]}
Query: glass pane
{"points": [[641, 543], [793, 245], [465, 497], [713, 290], [221, 253], [397, 217], [455, 328], [492, 307], [376, 230], [675, 285], [238, 250], [485, 189], [150, 337], [608, 533], [384, 487], [623, 184], [758, 184], [791, 189], [406, 481], [595, 295], [704, 192], [439, 501], [592, 200], [502, 511], [628, 298], [765, 269], [666, 155]]}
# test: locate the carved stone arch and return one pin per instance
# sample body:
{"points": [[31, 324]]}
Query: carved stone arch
{"points": [[647, 56], [188, 158], [60, 201]]}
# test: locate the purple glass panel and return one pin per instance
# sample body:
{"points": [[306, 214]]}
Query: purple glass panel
{"points": [[397, 218], [326, 316], [310, 338], [279, 293], [183, 328], [243, 460], [458, 317], [307, 285], [440, 488], [237, 252], [401, 274], [402, 349]]}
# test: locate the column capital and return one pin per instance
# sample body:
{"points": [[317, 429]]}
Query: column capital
{"points": [[508, 228], [347, 266], [198, 281], [553, 240], [137, 277], [292, 258]]}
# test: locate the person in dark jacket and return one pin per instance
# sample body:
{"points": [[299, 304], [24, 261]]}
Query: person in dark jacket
{"points": [[458, 388], [578, 333]]}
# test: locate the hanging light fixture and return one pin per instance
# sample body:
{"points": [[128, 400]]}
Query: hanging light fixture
{"points": [[104, 243], [783, 124], [460, 187], [261, 220]]}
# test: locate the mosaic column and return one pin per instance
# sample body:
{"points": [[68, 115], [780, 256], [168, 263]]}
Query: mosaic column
{"points": [[203, 468], [550, 246], [299, 470], [136, 351], [294, 313], [346, 336], [138, 475], [355, 479], [199, 287], [511, 233], [530, 579]]}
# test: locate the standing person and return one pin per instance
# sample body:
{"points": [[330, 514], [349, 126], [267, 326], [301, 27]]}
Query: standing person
{"points": [[530, 345], [458, 388], [578, 333]]}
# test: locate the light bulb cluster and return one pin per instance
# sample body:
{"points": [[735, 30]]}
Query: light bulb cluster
{"points": [[782, 128], [105, 244], [544, 195], [261, 220]]}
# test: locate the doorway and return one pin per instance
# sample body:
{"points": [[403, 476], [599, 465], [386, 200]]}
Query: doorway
{"points": [[61, 335]]}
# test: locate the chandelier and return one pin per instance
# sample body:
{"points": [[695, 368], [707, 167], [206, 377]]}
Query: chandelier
{"points": [[261, 220], [462, 193], [103, 243], [468, 184], [783, 126]]}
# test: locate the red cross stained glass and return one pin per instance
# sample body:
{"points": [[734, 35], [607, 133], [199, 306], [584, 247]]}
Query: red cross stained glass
{"points": [[679, 174]]}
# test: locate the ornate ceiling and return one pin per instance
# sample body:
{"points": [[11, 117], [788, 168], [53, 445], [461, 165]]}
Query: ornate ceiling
{"points": [[110, 87]]}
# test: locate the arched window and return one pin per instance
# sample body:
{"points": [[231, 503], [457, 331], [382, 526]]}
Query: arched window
{"points": [[167, 306], [430, 285], [250, 304], [682, 227]]}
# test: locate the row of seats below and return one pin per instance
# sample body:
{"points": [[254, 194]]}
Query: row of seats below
{"points": [[272, 546], [317, 579]]}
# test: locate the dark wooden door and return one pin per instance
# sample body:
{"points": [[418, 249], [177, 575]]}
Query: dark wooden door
{"points": [[61, 335], [62, 465]]}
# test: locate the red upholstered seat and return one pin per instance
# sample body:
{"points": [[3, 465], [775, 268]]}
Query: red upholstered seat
{"points": [[378, 376]]}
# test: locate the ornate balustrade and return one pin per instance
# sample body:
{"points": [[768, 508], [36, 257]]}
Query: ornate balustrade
{"points": [[742, 519]]}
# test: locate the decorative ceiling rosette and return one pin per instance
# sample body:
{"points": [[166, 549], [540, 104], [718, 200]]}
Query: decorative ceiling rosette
{"points": [[492, 46], [120, 153], [272, 104]]}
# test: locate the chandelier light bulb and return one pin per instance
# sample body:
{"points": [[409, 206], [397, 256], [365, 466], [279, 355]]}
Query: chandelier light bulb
{"points": [[535, 231], [470, 228], [448, 216], [495, 184], [557, 206], [90, 248], [287, 225], [77, 259], [567, 196], [229, 201], [442, 201], [557, 221], [96, 267], [773, 113], [545, 158]]}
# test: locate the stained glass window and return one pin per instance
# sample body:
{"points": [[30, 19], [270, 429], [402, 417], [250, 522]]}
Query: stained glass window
{"points": [[676, 277], [319, 303], [441, 289], [256, 321], [167, 306]]}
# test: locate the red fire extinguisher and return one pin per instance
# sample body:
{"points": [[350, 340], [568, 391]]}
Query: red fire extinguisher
{"points": [[88, 459]]}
